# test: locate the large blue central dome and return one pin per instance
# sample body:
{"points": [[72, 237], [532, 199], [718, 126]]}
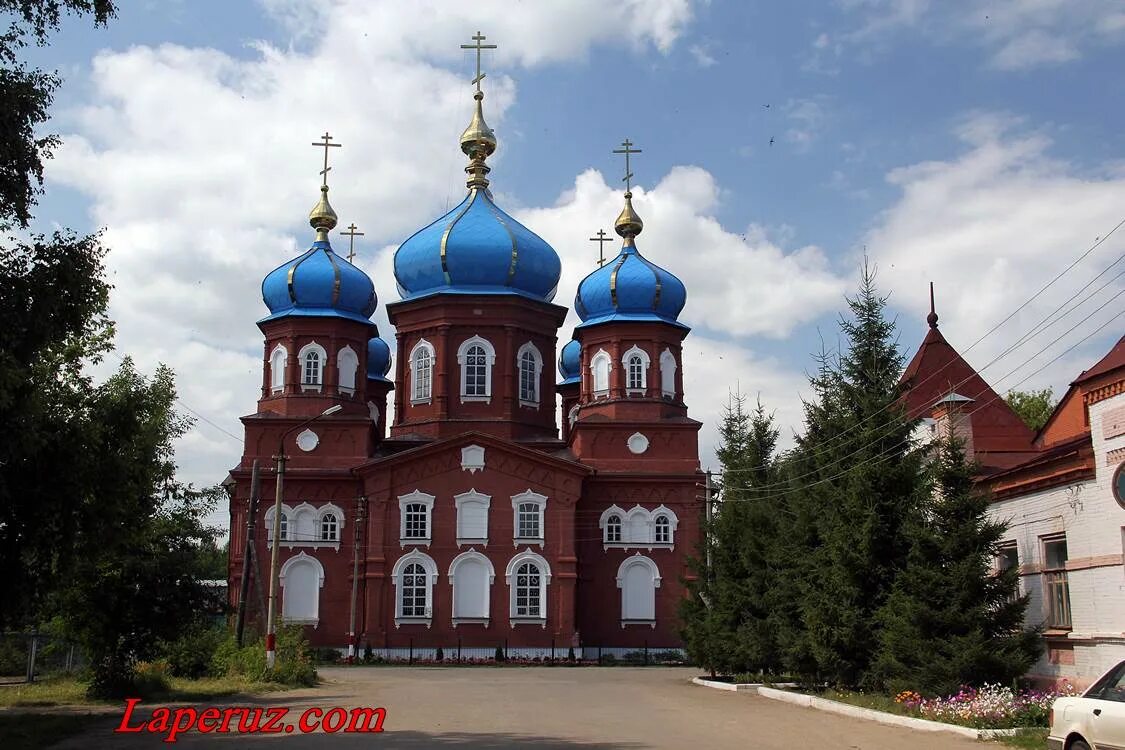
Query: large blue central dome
{"points": [[476, 248]]}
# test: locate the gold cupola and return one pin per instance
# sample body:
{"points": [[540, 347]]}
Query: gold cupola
{"points": [[628, 224], [323, 217]]}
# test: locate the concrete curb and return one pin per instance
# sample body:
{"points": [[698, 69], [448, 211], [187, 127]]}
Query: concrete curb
{"points": [[741, 687], [845, 709]]}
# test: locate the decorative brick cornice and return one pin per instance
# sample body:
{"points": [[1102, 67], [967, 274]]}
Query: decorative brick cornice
{"points": [[1101, 394]]}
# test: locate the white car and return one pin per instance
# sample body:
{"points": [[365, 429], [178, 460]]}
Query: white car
{"points": [[1094, 720]]}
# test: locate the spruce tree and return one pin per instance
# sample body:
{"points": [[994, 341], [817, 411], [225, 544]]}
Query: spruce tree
{"points": [[855, 482], [951, 620]]}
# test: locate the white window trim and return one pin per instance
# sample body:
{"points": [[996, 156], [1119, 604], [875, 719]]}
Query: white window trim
{"points": [[477, 497], [471, 555], [347, 353], [290, 512], [302, 557], [646, 362], [544, 583], [426, 345], [628, 562], [529, 496], [339, 513], [650, 522], [417, 496], [428, 564], [668, 365], [529, 347], [277, 384], [601, 356], [490, 352], [312, 346]]}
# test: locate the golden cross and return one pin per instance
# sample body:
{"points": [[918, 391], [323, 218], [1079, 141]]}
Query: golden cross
{"points": [[478, 38], [351, 234], [325, 144], [601, 239], [628, 173]]}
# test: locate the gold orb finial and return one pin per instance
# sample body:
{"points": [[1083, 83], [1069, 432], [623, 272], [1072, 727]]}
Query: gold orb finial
{"points": [[628, 224], [478, 141], [323, 218]]}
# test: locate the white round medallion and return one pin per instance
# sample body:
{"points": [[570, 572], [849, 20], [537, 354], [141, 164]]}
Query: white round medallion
{"points": [[638, 443], [307, 440]]}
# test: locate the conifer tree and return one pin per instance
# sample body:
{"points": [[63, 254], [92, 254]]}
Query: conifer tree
{"points": [[855, 481], [951, 619]]}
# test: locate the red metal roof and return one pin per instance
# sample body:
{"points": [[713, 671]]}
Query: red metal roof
{"points": [[1113, 359]]}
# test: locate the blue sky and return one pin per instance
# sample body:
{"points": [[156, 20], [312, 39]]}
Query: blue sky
{"points": [[975, 144]]}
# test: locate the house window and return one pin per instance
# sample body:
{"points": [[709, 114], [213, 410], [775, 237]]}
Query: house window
{"points": [[415, 511], [301, 578], [476, 357], [422, 372], [529, 602], [471, 574], [668, 374], [415, 523], [284, 527], [312, 368], [599, 373], [530, 367], [472, 517], [613, 529], [413, 591], [663, 528], [329, 527], [638, 578], [527, 524], [278, 360], [636, 370], [312, 359], [347, 364], [1056, 585]]}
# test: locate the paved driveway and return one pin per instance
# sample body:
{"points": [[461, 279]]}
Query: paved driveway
{"points": [[555, 709]]}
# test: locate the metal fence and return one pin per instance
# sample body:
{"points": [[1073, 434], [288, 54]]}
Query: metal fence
{"points": [[26, 657], [421, 651]]}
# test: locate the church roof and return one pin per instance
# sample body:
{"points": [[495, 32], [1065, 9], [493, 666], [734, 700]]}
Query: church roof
{"points": [[1114, 359]]}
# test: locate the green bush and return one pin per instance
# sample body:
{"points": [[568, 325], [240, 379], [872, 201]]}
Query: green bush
{"points": [[294, 665], [150, 678], [192, 654]]}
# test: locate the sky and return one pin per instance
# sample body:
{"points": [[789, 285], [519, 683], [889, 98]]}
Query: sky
{"points": [[977, 145]]}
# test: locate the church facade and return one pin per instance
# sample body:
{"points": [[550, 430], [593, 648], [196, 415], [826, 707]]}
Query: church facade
{"points": [[478, 516]]}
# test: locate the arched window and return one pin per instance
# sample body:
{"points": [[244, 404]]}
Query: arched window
{"points": [[301, 579], [415, 511], [668, 374], [422, 372], [329, 528], [529, 508], [636, 363], [529, 527], [347, 363], [278, 361], [638, 578], [471, 574], [599, 372], [613, 528], [312, 359], [284, 532], [414, 576], [663, 529], [528, 575], [476, 357], [530, 363]]}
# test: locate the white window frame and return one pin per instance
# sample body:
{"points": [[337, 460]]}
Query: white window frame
{"points": [[649, 517], [347, 370], [490, 362], [471, 555], [278, 366], [426, 395], [537, 357], [544, 585], [533, 498], [301, 558], [430, 567], [646, 362], [472, 496], [424, 499], [654, 570], [290, 515], [322, 358], [601, 359], [668, 374]]}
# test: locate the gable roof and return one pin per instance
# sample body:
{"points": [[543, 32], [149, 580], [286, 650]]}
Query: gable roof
{"points": [[480, 438], [1113, 359], [1000, 438]]}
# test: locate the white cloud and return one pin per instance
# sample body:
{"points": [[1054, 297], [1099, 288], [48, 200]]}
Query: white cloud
{"points": [[992, 226], [702, 55], [808, 118]]}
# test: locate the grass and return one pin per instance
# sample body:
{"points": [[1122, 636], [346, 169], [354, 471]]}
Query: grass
{"points": [[1029, 739], [878, 702], [34, 731], [69, 691]]}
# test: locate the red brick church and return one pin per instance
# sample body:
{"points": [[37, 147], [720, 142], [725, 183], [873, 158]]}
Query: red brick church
{"points": [[470, 517]]}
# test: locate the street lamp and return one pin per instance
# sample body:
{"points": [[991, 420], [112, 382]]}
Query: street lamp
{"points": [[271, 611]]}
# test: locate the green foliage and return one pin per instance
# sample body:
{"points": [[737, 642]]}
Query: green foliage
{"points": [[294, 665], [1033, 407], [949, 620], [193, 651]]}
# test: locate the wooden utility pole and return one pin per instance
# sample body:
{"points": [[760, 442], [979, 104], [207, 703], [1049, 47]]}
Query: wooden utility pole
{"points": [[244, 585], [360, 513]]}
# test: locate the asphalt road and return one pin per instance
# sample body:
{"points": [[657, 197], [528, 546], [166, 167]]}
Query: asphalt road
{"points": [[547, 709]]}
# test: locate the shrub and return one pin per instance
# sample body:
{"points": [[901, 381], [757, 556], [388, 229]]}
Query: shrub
{"points": [[990, 707], [326, 655], [192, 653], [294, 664], [440, 656], [570, 654], [150, 678], [368, 654], [499, 654]]}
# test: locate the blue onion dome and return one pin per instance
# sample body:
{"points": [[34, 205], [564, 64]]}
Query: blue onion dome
{"points": [[319, 283], [570, 362], [629, 287], [378, 359], [477, 248]]}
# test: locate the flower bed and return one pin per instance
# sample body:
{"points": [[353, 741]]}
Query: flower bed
{"points": [[988, 707]]}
